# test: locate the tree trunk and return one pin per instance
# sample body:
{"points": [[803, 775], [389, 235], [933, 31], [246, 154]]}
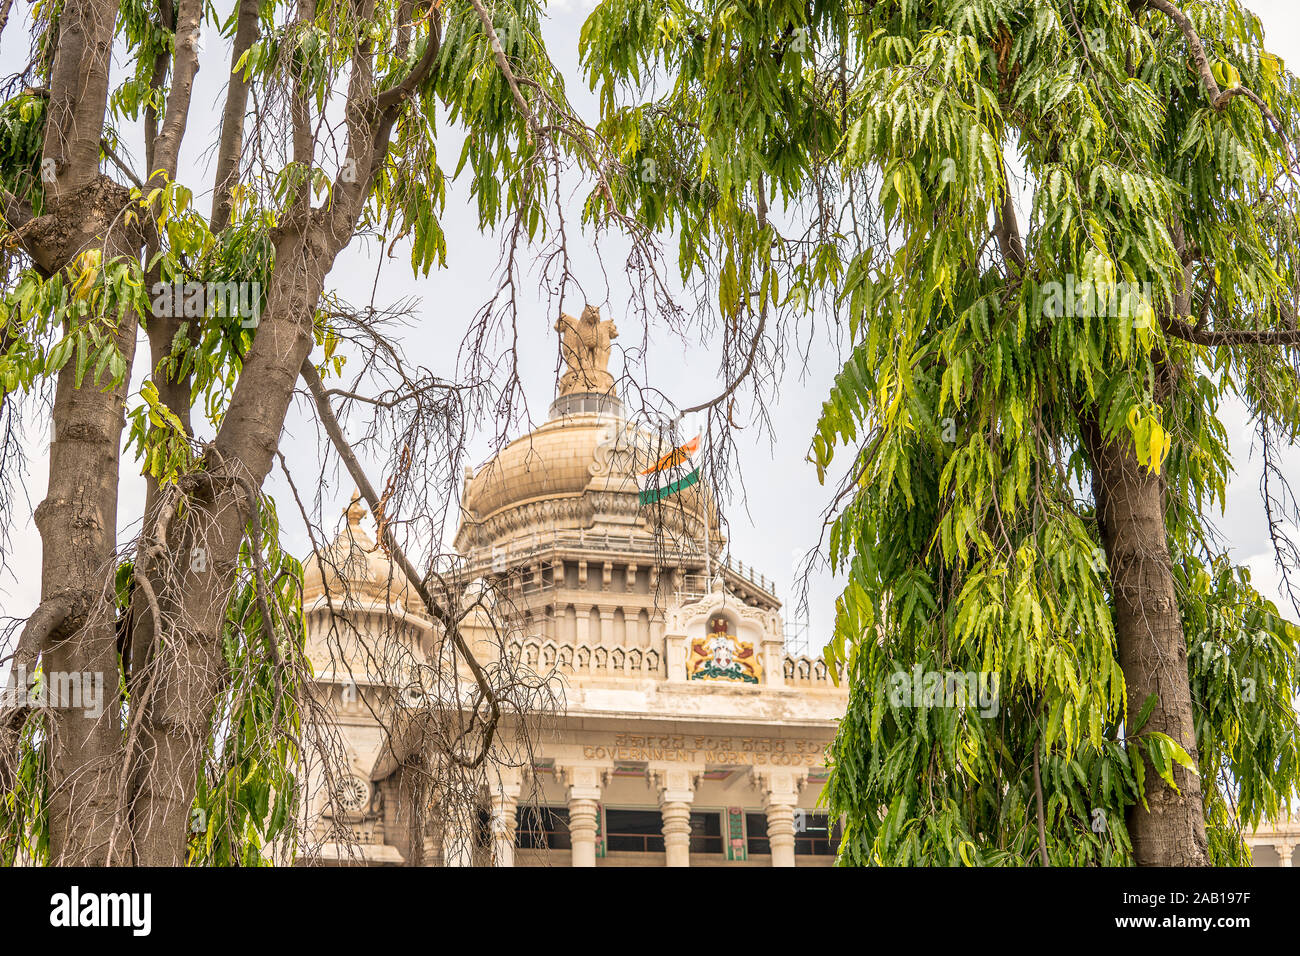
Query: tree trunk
{"points": [[78, 526], [231, 147], [77, 519], [191, 668], [1170, 831]]}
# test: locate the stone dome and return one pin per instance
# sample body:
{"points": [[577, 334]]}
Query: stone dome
{"points": [[555, 460], [578, 471]]}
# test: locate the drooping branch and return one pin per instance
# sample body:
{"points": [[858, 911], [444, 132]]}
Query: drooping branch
{"points": [[450, 623], [754, 345], [564, 123], [395, 95], [735, 383], [1200, 333], [503, 65], [370, 120], [48, 618]]}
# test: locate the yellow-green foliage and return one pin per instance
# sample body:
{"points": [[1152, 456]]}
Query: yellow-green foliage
{"points": [[885, 136]]}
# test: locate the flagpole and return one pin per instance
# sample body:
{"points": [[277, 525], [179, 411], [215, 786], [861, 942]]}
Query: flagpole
{"points": [[708, 552], [704, 499]]}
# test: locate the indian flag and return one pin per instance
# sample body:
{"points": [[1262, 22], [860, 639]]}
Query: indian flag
{"points": [[673, 472]]}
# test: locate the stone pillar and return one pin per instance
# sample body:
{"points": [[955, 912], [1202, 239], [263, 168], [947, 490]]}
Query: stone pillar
{"points": [[675, 645], [676, 794], [780, 833], [582, 620], [656, 625], [774, 659], [780, 789], [607, 629], [1284, 851], [583, 784], [505, 803]]}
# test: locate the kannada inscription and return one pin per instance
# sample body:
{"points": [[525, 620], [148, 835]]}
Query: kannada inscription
{"points": [[725, 751]]}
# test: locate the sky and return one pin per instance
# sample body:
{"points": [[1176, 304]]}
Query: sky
{"points": [[781, 514]]}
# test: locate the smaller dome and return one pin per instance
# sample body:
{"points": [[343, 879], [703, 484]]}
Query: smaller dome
{"points": [[354, 565]]}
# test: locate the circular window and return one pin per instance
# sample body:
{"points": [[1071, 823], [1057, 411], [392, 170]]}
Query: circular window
{"points": [[352, 793]]}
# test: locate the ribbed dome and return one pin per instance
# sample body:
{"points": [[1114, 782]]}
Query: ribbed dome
{"points": [[554, 461], [354, 557], [577, 471]]}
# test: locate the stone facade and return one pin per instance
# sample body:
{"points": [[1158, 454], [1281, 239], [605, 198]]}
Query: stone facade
{"points": [[1276, 845], [653, 762], [688, 736]]}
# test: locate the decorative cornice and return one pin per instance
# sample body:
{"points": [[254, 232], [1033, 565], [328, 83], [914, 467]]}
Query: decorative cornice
{"points": [[570, 513]]}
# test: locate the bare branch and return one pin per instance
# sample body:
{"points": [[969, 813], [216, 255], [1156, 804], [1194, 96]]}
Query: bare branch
{"points": [[449, 622], [1179, 329]]}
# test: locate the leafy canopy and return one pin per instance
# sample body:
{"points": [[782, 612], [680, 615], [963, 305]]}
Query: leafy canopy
{"points": [[249, 791], [895, 135]]}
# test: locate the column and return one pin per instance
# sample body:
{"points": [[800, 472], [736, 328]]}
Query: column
{"points": [[607, 633], [1284, 850], [675, 644], [780, 832], [774, 653], [780, 790], [583, 784], [582, 620], [676, 794], [675, 657], [505, 803]]}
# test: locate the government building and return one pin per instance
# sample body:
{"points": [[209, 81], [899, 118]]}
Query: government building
{"points": [[683, 732], [688, 735], [1277, 845]]}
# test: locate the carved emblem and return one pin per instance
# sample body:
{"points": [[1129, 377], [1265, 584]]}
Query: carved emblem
{"points": [[717, 655]]}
